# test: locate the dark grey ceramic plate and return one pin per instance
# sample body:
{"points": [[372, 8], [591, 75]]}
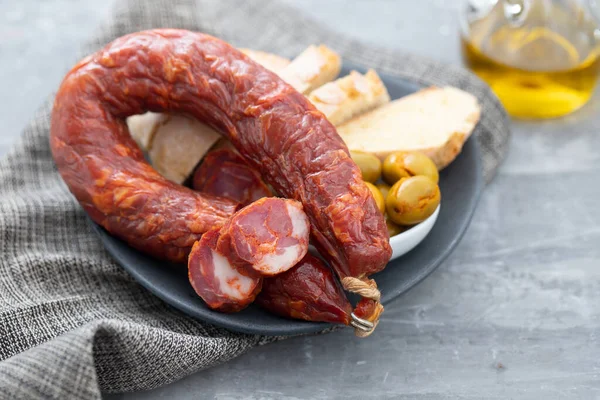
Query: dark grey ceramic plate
{"points": [[460, 184]]}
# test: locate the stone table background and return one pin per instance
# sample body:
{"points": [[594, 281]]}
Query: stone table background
{"points": [[514, 312]]}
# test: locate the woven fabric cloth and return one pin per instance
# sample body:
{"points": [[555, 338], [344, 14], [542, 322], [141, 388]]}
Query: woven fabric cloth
{"points": [[72, 322]]}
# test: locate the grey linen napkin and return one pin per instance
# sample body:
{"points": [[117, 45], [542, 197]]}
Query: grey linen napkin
{"points": [[72, 322]]}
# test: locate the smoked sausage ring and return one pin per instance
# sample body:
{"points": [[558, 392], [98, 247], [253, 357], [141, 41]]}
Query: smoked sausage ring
{"points": [[274, 127]]}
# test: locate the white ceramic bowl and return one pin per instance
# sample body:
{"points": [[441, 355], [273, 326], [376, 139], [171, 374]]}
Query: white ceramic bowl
{"points": [[408, 240]]}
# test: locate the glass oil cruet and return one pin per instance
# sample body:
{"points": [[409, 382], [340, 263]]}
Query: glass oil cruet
{"points": [[540, 57]]}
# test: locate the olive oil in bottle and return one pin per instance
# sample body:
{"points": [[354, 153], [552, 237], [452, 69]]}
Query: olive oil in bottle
{"points": [[541, 65]]}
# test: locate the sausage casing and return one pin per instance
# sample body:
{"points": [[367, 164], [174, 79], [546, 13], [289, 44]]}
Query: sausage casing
{"points": [[224, 173], [309, 291], [274, 128]]}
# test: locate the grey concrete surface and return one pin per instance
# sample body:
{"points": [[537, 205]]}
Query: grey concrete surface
{"points": [[512, 314], [39, 41]]}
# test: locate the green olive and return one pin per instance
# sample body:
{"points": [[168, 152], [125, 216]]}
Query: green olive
{"points": [[384, 188], [412, 200], [404, 165], [394, 229], [379, 199], [370, 166]]}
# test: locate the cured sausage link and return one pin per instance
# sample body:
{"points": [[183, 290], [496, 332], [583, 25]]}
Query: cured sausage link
{"points": [[309, 291], [275, 129]]}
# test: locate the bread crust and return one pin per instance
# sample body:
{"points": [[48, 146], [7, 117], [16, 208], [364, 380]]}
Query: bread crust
{"points": [[270, 61], [312, 68], [349, 96]]}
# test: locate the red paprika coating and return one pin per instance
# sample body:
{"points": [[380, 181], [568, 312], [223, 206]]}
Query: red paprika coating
{"points": [[274, 127], [224, 173], [308, 291]]}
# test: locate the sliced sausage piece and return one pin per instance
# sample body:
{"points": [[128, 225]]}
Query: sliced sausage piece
{"points": [[216, 281], [224, 173], [270, 236], [309, 291]]}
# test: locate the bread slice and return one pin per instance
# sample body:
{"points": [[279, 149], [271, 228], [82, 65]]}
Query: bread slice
{"points": [[175, 144], [312, 68], [433, 121], [179, 144], [143, 127], [350, 96], [270, 61]]}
